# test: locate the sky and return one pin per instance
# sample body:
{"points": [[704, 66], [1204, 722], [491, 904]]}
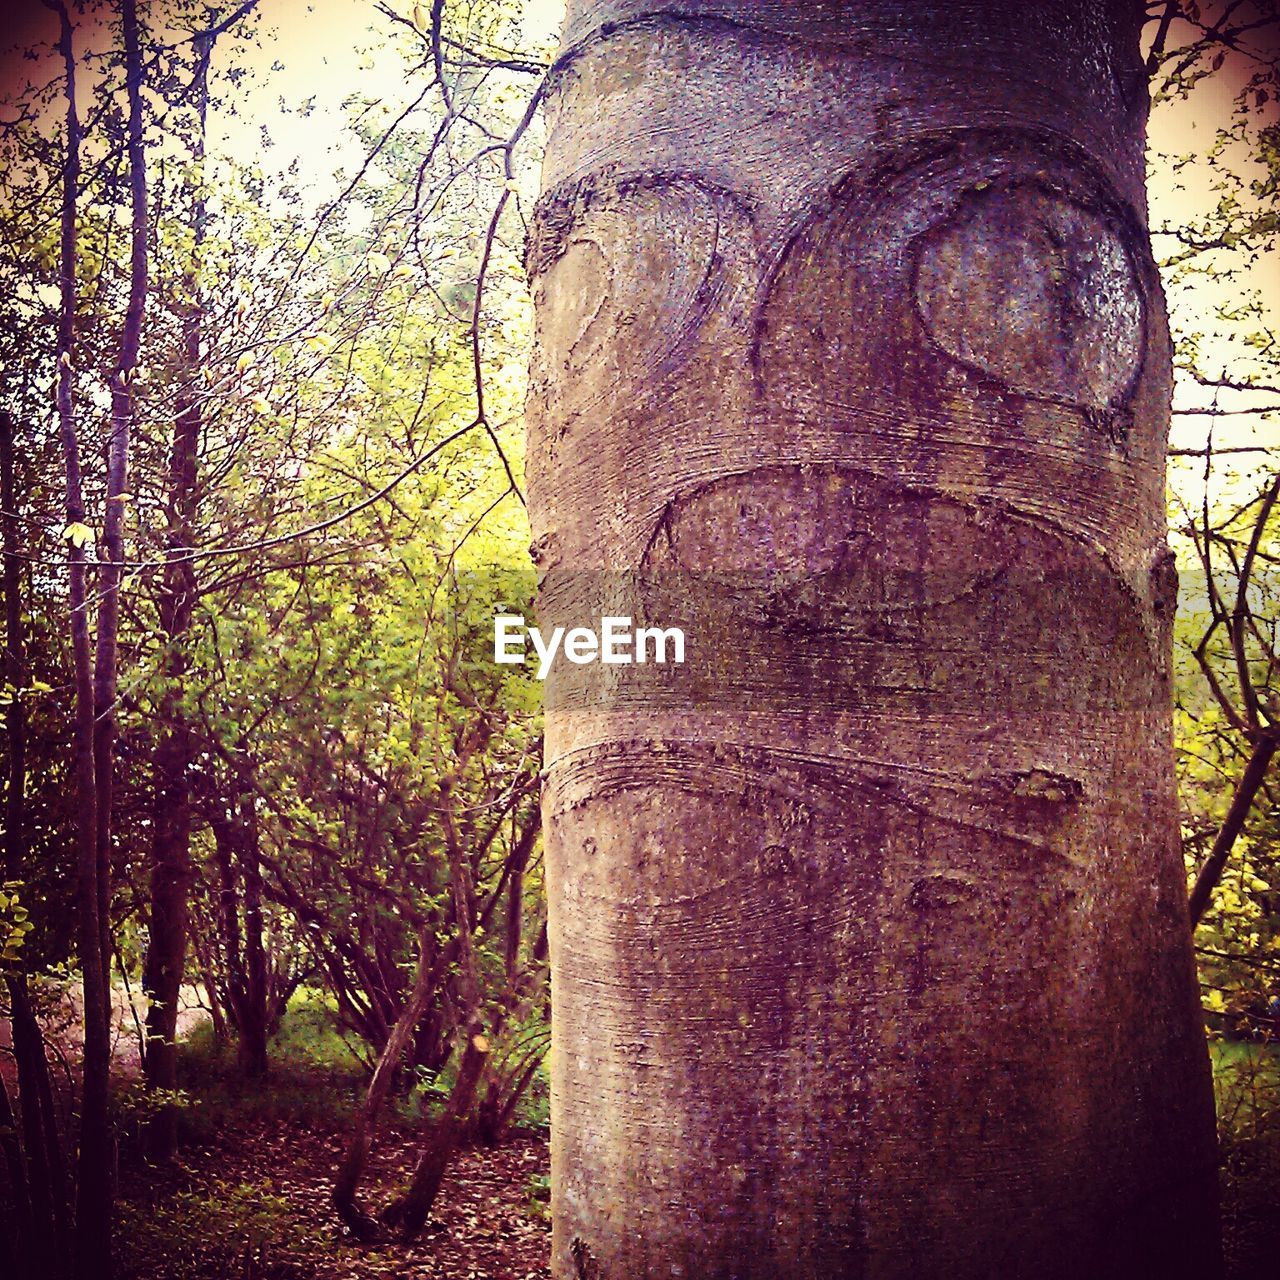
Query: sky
{"points": [[326, 50], [319, 47], [314, 42]]}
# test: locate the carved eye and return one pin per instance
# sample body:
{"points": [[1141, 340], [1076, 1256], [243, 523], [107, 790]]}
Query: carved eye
{"points": [[635, 276], [1035, 290], [996, 258]]}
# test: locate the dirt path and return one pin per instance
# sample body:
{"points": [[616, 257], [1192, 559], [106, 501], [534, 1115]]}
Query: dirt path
{"points": [[62, 1022]]}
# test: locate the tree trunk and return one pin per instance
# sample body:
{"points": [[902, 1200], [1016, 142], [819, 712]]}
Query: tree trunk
{"points": [[205, 948], [869, 933], [499, 1107], [111, 572], [14, 663], [502, 1087], [234, 822], [17, 1245], [255, 1013], [29, 1170], [167, 934], [409, 1213], [171, 872], [94, 1193], [347, 1184], [40, 1140]]}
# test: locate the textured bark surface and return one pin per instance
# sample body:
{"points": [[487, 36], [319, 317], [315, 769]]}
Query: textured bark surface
{"points": [[868, 926]]}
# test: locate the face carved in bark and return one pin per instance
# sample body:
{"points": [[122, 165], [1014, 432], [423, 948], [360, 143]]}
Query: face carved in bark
{"points": [[1035, 290]]}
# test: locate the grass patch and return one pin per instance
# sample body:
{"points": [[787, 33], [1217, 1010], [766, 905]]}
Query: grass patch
{"points": [[314, 1080], [205, 1232], [1246, 1081]]}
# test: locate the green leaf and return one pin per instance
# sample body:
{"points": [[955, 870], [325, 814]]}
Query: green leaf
{"points": [[79, 535]]}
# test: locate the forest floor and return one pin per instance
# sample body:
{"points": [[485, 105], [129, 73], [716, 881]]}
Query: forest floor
{"points": [[248, 1198], [252, 1203]]}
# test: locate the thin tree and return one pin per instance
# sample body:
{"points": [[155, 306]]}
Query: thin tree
{"points": [[111, 570], [171, 871], [95, 1159], [38, 1177], [96, 659]]}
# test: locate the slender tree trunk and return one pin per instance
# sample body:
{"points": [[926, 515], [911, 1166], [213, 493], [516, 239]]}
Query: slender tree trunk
{"points": [[94, 1165], [41, 1140], [167, 943], [224, 823], [167, 940], [111, 573], [431, 1047], [16, 1251], [347, 1184], [235, 837], [498, 1121], [1251, 780], [171, 873], [15, 662], [868, 924], [29, 1173], [204, 952], [409, 1213], [256, 1013]]}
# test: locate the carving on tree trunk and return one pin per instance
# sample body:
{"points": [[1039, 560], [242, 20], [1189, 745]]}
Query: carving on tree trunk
{"points": [[1061, 313], [867, 925]]}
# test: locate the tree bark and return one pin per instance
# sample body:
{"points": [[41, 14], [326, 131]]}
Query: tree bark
{"points": [[868, 924]]}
